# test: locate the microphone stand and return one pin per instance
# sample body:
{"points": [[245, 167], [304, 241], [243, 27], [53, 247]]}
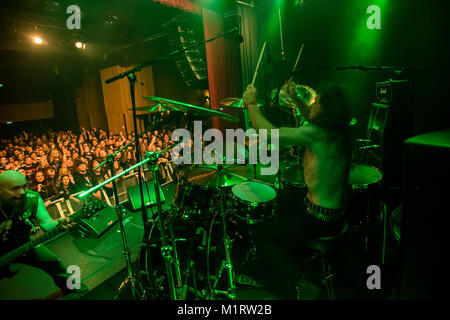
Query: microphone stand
{"points": [[165, 249], [130, 74], [136, 287]]}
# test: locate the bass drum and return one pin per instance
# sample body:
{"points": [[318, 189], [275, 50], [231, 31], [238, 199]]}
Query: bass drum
{"points": [[194, 243], [193, 200], [292, 190]]}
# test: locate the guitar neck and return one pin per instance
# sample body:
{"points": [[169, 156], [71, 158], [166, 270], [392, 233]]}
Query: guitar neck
{"points": [[16, 253]]}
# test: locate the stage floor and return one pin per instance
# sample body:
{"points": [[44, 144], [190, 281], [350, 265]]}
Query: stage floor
{"points": [[103, 266]]}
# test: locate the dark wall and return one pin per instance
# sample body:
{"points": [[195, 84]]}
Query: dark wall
{"points": [[334, 33]]}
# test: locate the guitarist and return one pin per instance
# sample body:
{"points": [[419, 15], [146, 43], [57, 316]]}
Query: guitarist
{"points": [[18, 208]]}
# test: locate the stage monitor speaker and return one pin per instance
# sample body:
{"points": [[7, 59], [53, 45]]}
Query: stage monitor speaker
{"points": [[98, 223], [424, 236], [147, 188]]}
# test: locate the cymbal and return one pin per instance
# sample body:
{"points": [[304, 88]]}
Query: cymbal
{"points": [[194, 110], [159, 107], [215, 177], [237, 103]]}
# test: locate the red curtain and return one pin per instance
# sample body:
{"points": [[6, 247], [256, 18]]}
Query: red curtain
{"points": [[184, 5], [224, 69]]}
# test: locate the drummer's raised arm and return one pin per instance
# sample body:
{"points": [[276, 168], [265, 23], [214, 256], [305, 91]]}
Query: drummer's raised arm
{"points": [[250, 100], [288, 137]]}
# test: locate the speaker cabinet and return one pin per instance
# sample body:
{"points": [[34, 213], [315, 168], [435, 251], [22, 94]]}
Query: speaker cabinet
{"points": [[148, 189], [390, 124], [424, 236]]}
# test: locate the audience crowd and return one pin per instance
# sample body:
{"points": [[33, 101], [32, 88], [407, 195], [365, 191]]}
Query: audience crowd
{"points": [[60, 164]]}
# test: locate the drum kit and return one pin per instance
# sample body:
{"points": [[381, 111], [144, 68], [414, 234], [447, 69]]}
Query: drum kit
{"points": [[213, 212], [193, 250]]}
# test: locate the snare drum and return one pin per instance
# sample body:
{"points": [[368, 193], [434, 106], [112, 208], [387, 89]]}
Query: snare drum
{"points": [[253, 201]]}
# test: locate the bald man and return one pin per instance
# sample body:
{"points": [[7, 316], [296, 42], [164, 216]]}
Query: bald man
{"points": [[19, 207]]}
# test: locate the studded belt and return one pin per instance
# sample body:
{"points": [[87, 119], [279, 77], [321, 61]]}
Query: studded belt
{"points": [[322, 213]]}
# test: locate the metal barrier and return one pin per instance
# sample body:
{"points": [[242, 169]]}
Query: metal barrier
{"points": [[61, 208]]}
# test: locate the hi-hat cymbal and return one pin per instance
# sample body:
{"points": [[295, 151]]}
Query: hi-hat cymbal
{"points": [[159, 107], [218, 176], [194, 110], [237, 103]]}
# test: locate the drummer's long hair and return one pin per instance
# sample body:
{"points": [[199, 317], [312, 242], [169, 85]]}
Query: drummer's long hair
{"points": [[335, 105]]}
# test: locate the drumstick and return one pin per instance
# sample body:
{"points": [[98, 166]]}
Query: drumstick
{"points": [[298, 58], [259, 61]]}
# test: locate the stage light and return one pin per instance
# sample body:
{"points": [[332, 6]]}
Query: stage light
{"points": [[80, 45], [37, 40]]}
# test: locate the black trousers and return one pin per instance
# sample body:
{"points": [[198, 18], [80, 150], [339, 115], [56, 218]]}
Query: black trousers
{"points": [[41, 257], [282, 243]]}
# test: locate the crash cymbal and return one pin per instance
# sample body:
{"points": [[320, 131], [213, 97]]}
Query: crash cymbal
{"points": [[237, 103], [218, 176], [194, 110], [159, 107]]}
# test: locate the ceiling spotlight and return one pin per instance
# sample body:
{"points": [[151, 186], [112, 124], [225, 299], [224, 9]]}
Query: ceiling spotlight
{"points": [[37, 40], [80, 45]]}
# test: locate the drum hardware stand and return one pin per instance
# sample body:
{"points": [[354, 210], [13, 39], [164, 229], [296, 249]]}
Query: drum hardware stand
{"points": [[190, 270], [227, 263], [168, 252]]}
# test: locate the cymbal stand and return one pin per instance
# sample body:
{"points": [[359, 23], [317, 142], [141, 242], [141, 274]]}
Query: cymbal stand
{"points": [[227, 263], [136, 287], [168, 252]]}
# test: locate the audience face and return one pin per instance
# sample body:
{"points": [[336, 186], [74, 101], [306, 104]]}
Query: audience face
{"points": [[39, 177], [51, 173], [82, 168], [65, 180], [35, 150]]}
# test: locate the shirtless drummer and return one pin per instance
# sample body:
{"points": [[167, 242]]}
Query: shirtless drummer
{"points": [[326, 164]]}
